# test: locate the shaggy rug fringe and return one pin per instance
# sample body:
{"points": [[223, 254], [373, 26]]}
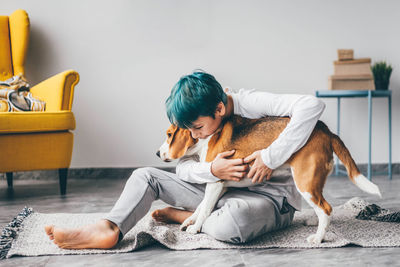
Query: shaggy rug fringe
{"points": [[10, 232]]}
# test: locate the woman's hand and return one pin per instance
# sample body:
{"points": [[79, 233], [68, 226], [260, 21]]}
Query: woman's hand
{"points": [[228, 169], [258, 170]]}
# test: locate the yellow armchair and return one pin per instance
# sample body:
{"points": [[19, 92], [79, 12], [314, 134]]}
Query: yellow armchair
{"points": [[34, 140]]}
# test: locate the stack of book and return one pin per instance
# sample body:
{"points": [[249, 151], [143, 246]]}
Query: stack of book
{"points": [[350, 73]]}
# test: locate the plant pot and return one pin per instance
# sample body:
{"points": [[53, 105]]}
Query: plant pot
{"points": [[381, 84]]}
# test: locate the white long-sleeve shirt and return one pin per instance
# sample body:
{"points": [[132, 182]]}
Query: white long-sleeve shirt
{"points": [[304, 111]]}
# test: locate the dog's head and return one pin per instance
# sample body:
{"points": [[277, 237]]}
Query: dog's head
{"points": [[178, 142]]}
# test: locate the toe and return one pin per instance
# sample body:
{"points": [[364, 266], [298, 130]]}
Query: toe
{"points": [[49, 229], [156, 214]]}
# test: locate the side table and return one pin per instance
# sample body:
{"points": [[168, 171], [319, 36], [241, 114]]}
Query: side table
{"points": [[362, 93]]}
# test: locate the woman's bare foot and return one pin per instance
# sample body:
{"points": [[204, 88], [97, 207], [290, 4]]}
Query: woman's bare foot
{"points": [[171, 215], [103, 234]]}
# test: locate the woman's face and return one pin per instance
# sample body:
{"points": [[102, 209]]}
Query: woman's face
{"points": [[203, 127]]}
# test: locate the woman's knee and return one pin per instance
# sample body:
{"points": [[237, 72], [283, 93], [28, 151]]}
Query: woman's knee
{"points": [[222, 226], [241, 220], [146, 174]]}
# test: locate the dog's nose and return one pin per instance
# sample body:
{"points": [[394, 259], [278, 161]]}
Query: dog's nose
{"points": [[158, 153]]}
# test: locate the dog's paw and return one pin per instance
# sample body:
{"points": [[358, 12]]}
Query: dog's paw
{"points": [[186, 223], [193, 229], [314, 239]]}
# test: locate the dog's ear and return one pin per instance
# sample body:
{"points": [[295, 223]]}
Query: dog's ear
{"points": [[180, 143], [171, 133], [190, 140]]}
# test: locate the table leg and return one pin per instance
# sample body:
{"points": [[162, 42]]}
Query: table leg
{"points": [[369, 132], [390, 136], [338, 133]]}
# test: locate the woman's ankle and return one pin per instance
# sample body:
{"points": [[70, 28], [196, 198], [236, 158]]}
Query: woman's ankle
{"points": [[110, 225]]}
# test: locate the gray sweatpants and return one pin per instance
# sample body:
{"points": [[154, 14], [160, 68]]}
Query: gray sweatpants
{"points": [[239, 216]]}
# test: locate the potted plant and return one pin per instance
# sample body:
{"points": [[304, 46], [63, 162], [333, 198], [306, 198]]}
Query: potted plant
{"points": [[381, 72]]}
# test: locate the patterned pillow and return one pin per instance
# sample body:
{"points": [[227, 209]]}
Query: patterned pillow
{"points": [[15, 96]]}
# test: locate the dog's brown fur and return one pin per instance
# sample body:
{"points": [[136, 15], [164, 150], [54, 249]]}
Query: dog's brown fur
{"points": [[311, 164]]}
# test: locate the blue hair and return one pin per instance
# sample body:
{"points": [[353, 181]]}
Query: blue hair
{"points": [[194, 95]]}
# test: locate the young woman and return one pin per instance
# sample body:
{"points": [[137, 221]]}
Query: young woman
{"points": [[198, 103]]}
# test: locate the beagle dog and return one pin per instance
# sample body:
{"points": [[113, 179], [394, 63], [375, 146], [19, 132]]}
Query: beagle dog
{"points": [[310, 166]]}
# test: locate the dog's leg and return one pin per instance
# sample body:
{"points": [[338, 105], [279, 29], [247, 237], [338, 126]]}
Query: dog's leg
{"points": [[323, 217], [211, 195], [310, 185], [192, 218]]}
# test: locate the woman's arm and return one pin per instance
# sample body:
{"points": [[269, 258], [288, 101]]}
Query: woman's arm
{"points": [[189, 169], [304, 111], [304, 116]]}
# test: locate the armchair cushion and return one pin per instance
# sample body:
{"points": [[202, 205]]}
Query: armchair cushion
{"points": [[24, 122]]}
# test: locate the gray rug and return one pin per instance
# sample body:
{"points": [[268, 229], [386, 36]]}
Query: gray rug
{"points": [[25, 235]]}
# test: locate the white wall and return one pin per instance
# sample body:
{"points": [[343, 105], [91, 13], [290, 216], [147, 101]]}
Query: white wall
{"points": [[130, 53]]}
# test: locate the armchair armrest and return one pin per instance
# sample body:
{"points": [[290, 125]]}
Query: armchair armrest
{"points": [[57, 91]]}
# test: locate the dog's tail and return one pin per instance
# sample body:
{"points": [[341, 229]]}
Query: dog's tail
{"points": [[352, 170]]}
